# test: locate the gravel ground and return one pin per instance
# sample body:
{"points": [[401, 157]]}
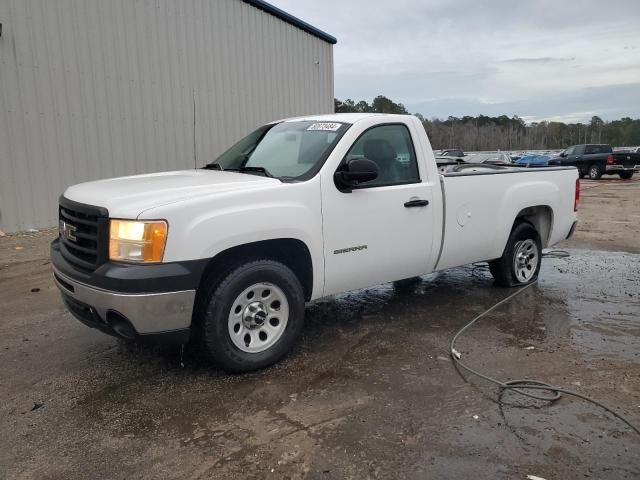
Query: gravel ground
{"points": [[368, 393]]}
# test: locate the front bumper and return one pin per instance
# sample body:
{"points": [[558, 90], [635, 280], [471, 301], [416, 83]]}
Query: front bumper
{"points": [[131, 301], [128, 315]]}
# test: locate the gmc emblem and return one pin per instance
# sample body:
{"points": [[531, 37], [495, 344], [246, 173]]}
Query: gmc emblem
{"points": [[67, 231]]}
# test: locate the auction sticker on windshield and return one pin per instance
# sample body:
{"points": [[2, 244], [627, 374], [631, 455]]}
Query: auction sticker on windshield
{"points": [[327, 127]]}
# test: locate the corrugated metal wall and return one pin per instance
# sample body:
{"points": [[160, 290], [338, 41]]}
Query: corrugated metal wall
{"points": [[101, 88]]}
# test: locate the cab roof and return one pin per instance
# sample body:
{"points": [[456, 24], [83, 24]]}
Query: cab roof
{"points": [[339, 117]]}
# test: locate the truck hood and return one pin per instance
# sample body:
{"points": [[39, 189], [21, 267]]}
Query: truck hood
{"points": [[128, 197]]}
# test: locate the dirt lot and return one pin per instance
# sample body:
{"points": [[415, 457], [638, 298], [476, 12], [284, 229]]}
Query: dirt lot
{"points": [[368, 393]]}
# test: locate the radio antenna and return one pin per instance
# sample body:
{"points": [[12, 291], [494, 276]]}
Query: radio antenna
{"points": [[195, 152]]}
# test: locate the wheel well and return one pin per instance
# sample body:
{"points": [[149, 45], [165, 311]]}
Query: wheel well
{"points": [[541, 217], [289, 251]]}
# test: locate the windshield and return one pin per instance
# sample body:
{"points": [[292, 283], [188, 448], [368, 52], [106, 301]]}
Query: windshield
{"points": [[284, 150]]}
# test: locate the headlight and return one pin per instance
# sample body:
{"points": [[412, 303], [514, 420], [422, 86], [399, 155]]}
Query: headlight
{"points": [[137, 241]]}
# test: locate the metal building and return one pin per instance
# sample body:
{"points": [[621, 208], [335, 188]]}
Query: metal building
{"points": [[101, 88]]}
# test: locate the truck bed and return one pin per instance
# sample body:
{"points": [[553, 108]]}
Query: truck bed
{"points": [[627, 160], [481, 203], [463, 170]]}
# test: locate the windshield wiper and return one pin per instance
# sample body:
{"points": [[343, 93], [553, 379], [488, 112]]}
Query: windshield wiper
{"points": [[258, 170], [250, 170], [213, 166]]}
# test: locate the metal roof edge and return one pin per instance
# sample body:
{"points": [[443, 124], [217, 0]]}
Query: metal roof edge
{"points": [[296, 22]]}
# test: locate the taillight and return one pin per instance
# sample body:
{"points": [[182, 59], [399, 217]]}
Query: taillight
{"points": [[577, 197], [610, 160]]}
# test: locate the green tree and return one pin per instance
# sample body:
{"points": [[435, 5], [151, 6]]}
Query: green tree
{"points": [[491, 133], [382, 104]]}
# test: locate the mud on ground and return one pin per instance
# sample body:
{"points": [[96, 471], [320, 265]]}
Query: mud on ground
{"points": [[368, 393]]}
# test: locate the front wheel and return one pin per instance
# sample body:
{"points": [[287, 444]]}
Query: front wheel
{"points": [[521, 259], [252, 318], [626, 175]]}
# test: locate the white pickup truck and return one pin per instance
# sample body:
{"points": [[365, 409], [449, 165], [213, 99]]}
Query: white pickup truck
{"points": [[227, 255]]}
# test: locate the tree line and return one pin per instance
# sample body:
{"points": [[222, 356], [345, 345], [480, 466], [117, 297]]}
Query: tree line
{"points": [[506, 133]]}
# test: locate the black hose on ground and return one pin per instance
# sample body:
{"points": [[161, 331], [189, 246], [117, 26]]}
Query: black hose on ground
{"points": [[519, 386]]}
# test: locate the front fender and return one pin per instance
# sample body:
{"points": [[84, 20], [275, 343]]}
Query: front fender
{"points": [[205, 227]]}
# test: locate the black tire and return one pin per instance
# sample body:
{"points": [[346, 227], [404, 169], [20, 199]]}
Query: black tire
{"points": [[595, 172], [626, 175], [213, 309], [503, 269]]}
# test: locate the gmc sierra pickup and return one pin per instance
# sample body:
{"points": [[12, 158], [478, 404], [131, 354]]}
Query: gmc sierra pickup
{"points": [[227, 255], [596, 160]]}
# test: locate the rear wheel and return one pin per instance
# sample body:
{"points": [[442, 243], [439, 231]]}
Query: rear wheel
{"points": [[626, 175], [595, 172], [521, 259], [252, 318]]}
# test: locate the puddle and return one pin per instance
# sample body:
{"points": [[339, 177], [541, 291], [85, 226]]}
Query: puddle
{"points": [[602, 295]]}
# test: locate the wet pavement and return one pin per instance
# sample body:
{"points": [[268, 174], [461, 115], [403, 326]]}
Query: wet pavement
{"points": [[369, 392]]}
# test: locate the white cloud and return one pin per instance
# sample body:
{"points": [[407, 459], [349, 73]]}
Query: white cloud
{"points": [[574, 117], [446, 57]]}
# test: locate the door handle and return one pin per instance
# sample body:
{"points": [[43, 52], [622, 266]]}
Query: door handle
{"points": [[416, 203]]}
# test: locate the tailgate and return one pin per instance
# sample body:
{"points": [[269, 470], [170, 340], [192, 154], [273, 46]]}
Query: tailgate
{"points": [[627, 160]]}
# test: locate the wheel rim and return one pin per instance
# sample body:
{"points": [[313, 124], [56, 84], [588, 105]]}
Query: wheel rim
{"points": [[258, 317], [593, 173], [525, 260]]}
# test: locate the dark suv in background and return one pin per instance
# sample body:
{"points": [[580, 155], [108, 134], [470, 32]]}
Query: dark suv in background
{"points": [[595, 160]]}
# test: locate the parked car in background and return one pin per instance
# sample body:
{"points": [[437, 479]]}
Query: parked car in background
{"points": [[626, 149], [533, 160], [449, 160], [452, 152], [495, 158], [446, 163], [595, 160]]}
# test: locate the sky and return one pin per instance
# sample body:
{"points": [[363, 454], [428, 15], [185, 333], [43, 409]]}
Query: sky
{"points": [[563, 60]]}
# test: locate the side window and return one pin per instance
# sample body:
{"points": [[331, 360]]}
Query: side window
{"points": [[390, 147], [570, 151], [598, 149], [579, 150], [589, 149]]}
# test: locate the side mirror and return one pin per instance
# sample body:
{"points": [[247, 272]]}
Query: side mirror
{"points": [[355, 172], [563, 154]]}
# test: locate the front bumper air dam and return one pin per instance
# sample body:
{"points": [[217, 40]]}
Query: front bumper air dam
{"points": [[164, 316], [146, 302]]}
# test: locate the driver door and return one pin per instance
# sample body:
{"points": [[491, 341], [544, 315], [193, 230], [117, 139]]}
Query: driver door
{"points": [[381, 230]]}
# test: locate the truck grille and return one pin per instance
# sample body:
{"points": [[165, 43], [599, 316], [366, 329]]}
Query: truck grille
{"points": [[83, 234]]}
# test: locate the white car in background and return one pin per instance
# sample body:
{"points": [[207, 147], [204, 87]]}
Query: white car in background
{"points": [[494, 158]]}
